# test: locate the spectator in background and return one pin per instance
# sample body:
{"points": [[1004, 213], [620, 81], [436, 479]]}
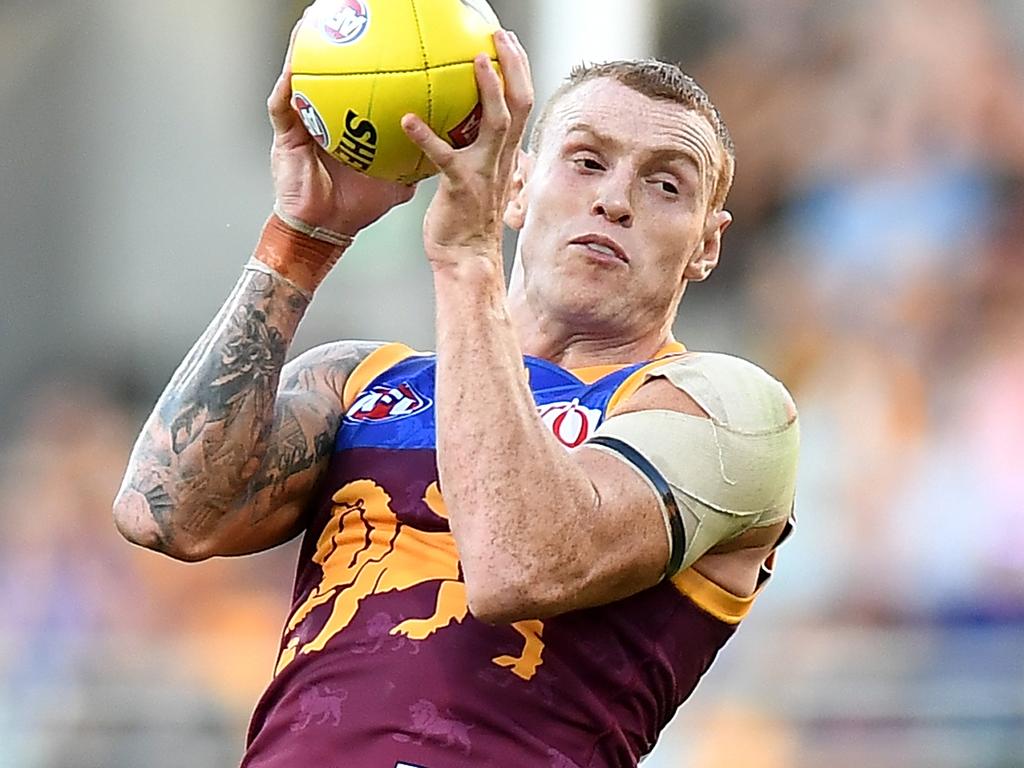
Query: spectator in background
{"points": [[887, 131], [85, 620]]}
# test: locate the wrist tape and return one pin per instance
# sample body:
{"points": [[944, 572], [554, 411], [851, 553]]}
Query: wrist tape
{"points": [[298, 253], [317, 233]]}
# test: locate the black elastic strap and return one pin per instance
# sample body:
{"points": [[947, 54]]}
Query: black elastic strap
{"points": [[675, 520]]}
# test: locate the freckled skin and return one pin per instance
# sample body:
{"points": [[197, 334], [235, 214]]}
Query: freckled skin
{"points": [[613, 162], [231, 458]]}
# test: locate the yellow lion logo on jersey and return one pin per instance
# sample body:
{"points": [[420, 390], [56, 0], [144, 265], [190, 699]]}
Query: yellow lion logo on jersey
{"points": [[360, 553]]}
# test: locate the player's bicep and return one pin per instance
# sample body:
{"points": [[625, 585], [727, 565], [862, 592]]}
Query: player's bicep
{"points": [[307, 415], [626, 541], [631, 538], [713, 441]]}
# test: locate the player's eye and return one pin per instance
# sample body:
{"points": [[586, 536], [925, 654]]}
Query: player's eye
{"points": [[588, 164], [667, 186]]}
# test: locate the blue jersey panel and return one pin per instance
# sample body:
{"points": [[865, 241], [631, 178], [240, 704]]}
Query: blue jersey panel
{"points": [[396, 410]]}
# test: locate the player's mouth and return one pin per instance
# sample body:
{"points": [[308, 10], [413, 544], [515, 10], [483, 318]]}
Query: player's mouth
{"points": [[602, 246]]}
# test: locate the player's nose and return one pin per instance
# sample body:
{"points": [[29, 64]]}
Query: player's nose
{"points": [[612, 200]]}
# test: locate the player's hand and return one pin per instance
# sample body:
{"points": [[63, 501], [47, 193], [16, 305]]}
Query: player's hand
{"points": [[465, 217], [310, 184]]}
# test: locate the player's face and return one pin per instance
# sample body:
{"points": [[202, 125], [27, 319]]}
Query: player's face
{"points": [[613, 208]]}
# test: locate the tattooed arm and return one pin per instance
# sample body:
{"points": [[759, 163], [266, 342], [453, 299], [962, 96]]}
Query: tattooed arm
{"points": [[227, 459]]}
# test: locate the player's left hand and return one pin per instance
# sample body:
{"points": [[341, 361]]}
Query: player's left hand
{"points": [[464, 220]]}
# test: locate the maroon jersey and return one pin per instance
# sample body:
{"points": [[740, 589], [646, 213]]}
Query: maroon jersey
{"points": [[381, 663]]}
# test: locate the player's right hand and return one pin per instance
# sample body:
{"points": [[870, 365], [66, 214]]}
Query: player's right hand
{"points": [[310, 184]]}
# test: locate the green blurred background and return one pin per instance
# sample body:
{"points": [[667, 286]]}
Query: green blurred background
{"points": [[876, 265]]}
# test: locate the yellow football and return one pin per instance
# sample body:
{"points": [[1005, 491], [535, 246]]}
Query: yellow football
{"points": [[358, 66]]}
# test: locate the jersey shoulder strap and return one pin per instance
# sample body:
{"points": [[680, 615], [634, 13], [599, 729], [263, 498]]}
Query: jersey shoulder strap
{"points": [[372, 366]]}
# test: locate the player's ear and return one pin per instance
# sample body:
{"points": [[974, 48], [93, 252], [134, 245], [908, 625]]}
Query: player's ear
{"points": [[705, 257], [515, 207]]}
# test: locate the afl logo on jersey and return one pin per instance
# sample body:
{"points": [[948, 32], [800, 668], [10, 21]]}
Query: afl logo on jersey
{"points": [[571, 423], [386, 403], [311, 119], [347, 24]]}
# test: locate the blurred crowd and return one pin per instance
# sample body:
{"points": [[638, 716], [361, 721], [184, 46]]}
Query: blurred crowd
{"points": [[100, 641], [876, 266], [879, 259]]}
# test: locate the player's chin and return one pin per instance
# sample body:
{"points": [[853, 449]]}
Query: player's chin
{"points": [[589, 301]]}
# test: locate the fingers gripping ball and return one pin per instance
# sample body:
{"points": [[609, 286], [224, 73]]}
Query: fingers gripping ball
{"points": [[358, 66]]}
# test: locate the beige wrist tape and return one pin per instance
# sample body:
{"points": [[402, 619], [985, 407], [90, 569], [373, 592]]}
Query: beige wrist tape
{"points": [[317, 233], [725, 474]]}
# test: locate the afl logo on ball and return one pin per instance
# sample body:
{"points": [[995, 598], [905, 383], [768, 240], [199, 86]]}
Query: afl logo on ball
{"points": [[311, 119], [465, 133], [571, 423], [347, 23]]}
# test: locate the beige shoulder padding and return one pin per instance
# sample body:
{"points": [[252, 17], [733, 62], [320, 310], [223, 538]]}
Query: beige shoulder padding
{"points": [[729, 472]]}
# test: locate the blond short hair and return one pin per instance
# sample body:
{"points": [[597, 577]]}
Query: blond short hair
{"points": [[657, 80]]}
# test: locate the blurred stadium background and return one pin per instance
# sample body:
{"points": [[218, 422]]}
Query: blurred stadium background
{"points": [[876, 265]]}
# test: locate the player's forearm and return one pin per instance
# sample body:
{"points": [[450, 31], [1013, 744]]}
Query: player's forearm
{"points": [[516, 501], [207, 434], [196, 460]]}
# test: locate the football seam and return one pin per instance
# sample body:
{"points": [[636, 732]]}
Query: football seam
{"points": [[426, 62], [430, 86], [389, 71]]}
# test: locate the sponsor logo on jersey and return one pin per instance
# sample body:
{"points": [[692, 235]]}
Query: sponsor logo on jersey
{"points": [[387, 403], [358, 144], [311, 119], [465, 133], [347, 24], [570, 422]]}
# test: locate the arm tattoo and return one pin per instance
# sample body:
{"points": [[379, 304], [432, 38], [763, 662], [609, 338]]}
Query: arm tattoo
{"points": [[290, 453], [160, 505], [221, 433], [237, 374]]}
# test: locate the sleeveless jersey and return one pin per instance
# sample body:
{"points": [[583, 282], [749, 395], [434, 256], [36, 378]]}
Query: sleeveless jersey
{"points": [[381, 664]]}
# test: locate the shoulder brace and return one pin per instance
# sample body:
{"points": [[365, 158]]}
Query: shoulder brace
{"points": [[718, 476]]}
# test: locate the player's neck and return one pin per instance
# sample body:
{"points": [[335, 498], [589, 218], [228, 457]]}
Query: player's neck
{"points": [[581, 340], [574, 349]]}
